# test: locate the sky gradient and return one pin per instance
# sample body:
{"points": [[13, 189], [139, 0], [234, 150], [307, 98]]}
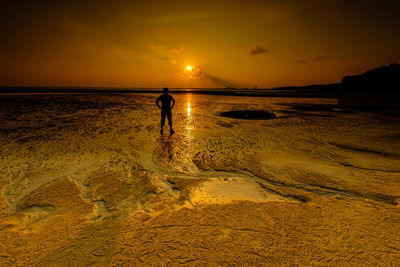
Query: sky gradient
{"points": [[227, 43]]}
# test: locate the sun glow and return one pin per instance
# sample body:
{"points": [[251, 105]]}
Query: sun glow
{"points": [[189, 68]]}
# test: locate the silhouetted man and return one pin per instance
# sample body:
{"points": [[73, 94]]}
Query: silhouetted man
{"points": [[166, 107]]}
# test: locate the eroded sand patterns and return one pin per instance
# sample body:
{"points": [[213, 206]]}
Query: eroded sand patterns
{"points": [[86, 179]]}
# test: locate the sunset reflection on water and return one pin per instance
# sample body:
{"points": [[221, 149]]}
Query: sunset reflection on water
{"points": [[189, 109]]}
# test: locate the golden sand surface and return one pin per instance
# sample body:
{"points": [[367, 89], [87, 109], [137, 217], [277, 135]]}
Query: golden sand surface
{"points": [[88, 180]]}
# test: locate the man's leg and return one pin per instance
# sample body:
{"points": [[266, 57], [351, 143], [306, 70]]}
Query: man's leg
{"points": [[162, 120], [169, 115]]}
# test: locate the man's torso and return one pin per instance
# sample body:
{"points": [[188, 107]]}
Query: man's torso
{"points": [[165, 101]]}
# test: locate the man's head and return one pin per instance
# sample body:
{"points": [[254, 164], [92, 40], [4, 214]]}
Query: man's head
{"points": [[165, 90]]}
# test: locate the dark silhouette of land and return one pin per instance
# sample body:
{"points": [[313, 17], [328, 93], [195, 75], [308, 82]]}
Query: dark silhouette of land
{"points": [[379, 87], [167, 104], [385, 79]]}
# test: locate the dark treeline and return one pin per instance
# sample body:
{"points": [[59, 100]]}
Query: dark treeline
{"points": [[384, 79]]}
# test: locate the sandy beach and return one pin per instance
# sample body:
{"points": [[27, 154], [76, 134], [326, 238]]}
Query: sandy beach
{"points": [[86, 179]]}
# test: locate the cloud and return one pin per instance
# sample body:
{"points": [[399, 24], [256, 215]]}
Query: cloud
{"points": [[321, 58], [207, 78], [214, 79], [157, 48], [257, 50], [301, 61], [177, 49], [164, 49], [313, 60], [177, 29], [172, 61]]}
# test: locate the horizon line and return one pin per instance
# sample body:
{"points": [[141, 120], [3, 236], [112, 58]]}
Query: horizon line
{"points": [[155, 88]]}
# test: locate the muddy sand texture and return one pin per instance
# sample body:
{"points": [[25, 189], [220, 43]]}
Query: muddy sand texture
{"points": [[86, 179]]}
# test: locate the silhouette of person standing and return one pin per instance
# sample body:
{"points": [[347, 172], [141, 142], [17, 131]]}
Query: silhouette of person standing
{"points": [[166, 108]]}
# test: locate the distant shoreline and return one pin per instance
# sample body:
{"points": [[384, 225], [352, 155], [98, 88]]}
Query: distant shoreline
{"points": [[311, 91], [378, 82], [328, 91]]}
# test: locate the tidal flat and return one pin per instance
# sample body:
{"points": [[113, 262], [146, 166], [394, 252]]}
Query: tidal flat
{"points": [[86, 179]]}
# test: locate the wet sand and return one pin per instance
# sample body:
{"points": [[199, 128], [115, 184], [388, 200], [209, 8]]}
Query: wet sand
{"points": [[87, 179]]}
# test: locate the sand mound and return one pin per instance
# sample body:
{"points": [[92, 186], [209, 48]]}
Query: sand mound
{"points": [[220, 191], [248, 114]]}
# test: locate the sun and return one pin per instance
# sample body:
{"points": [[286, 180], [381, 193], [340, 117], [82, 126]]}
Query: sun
{"points": [[191, 72]]}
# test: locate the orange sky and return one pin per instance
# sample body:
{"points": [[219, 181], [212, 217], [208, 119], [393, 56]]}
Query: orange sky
{"points": [[228, 43]]}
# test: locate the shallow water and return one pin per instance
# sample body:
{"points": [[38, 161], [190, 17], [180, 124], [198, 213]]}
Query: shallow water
{"points": [[48, 136]]}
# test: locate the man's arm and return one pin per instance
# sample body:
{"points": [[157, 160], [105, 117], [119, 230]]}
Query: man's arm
{"points": [[173, 102], [158, 100]]}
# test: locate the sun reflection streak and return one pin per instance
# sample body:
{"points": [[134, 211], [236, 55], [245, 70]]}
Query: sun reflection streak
{"points": [[189, 109], [189, 117], [188, 131]]}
